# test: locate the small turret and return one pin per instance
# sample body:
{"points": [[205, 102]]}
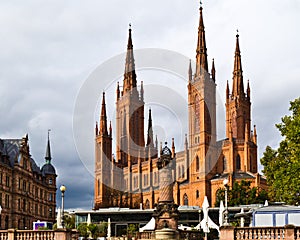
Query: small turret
{"points": [[103, 118], [213, 71]]}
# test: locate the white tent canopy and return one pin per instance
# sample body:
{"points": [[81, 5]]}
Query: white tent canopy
{"points": [[150, 226]]}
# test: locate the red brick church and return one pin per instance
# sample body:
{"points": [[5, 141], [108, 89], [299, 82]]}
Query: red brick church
{"points": [[129, 178]]}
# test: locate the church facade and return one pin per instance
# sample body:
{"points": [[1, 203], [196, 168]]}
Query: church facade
{"points": [[130, 177]]}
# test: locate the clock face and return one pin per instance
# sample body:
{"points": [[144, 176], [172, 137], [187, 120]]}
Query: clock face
{"points": [[166, 151]]}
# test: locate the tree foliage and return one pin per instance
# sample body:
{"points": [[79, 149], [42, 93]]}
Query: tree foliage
{"points": [[241, 194], [282, 166]]}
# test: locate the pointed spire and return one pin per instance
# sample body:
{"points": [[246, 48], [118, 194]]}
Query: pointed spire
{"points": [[110, 129], [129, 75], [238, 85], [254, 135], [186, 142], [190, 71], [118, 91], [142, 91], [173, 148], [150, 131], [213, 70], [156, 142], [103, 119], [227, 91], [48, 150], [201, 56], [248, 89]]}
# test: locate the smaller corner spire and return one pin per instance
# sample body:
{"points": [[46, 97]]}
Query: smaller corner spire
{"points": [[142, 91], [103, 118], [150, 131], [190, 71], [118, 91], [173, 148], [254, 135], [213, 70], [248, 89], [227, 91], [48, 150]]}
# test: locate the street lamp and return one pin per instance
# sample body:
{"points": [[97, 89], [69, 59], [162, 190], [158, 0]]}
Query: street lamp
{"points": [[62, 189], [225, 183]]}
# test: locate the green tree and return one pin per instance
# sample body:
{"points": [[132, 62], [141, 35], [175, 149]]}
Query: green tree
{"points": [[282, 166], [94, 230], [241, 194], [83, 230]]}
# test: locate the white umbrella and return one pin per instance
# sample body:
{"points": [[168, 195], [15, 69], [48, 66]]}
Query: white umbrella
{"points": [[206, 222], [221, 213], [88, 221], [108, 228]]}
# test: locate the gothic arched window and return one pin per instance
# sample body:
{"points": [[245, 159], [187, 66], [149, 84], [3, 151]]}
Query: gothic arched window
{"points": [[238, 162], [185, 200], [197, 164]]}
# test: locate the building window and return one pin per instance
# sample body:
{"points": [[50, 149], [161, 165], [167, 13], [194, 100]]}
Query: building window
{"points": [[182, 171], [145, 177], [224, 164], [179, 171], [197, 164], [50, 212], [238, 162], [7, 181], [24, 185], [7, 201], [155, 178], [50, 181], [185, 200], [19, 204], [24, 205], [1, 176], [197, 194], [50, 197]]}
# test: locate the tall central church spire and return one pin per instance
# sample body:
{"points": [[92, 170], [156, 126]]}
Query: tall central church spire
{"points": [[238, 85], [129, 75], [201, 56]]}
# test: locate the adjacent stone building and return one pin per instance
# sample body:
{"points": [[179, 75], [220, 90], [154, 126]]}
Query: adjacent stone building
{"points": [[27, 192], [130, 177]]}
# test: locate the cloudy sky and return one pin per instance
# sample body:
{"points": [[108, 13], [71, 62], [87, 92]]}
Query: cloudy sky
{"points": [[49, 48]]}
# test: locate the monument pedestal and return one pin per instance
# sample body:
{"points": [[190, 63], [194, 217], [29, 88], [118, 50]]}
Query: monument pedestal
{"points": [[166, 233]]}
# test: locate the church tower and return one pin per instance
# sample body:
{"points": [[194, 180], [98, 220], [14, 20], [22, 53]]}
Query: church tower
{"points": [[129, 113], [103, 156], [243, 156], [202, 115]]}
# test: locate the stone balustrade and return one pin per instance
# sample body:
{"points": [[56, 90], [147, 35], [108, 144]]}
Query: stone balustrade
{"points": [[12, 234], [289, 232]]}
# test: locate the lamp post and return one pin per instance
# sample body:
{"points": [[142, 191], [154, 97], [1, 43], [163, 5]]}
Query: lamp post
{"points": [[225, 183], [62, 189]]}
